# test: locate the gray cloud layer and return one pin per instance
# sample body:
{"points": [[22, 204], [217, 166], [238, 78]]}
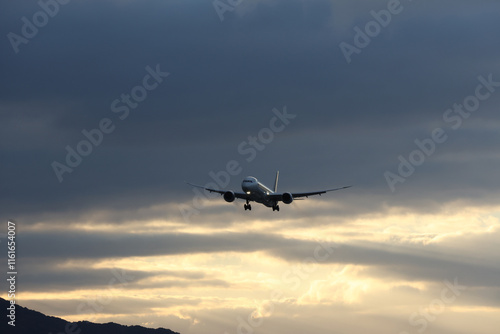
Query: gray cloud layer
{"points": [[355, 119]]}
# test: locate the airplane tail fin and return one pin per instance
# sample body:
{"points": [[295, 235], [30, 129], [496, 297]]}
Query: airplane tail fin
{"points": [[276, 181]]}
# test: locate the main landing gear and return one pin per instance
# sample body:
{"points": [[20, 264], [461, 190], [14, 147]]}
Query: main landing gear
{"points": [[247, 206]]}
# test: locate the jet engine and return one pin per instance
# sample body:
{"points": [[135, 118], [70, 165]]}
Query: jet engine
{"points": [[287, 198], [229, 196]]}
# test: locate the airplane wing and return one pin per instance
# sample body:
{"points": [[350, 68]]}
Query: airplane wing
{"points": [[296, 195], [279, 196], [236, 194]]}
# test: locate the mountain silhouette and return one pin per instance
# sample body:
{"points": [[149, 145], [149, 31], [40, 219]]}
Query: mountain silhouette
{"points": [[29, 322]]}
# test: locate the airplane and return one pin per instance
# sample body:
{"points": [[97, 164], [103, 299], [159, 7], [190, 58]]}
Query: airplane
{"points": [[254, 191]]}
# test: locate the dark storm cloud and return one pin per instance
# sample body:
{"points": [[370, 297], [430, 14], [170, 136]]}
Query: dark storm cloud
{"points": [[225, 79], [69, 279], [91, 245], [57, 280]]}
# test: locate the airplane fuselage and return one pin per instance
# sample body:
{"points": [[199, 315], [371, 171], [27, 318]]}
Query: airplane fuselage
{"points": [[257, 191]]}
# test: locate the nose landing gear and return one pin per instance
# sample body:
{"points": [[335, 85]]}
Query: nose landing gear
{"points": [[247, 206]]}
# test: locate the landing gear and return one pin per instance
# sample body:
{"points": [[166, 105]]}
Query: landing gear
{"points": [[247, 206], [276, 207]]}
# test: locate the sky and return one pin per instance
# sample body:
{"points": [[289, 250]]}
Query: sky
{"points": [[108, 108]]}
